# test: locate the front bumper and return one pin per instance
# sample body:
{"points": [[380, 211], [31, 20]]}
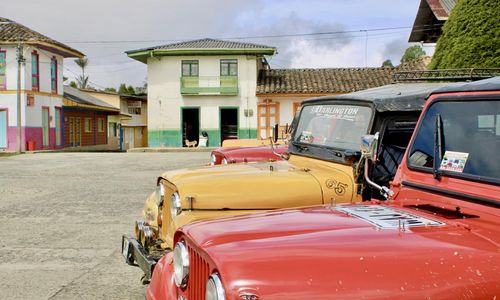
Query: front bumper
{"points": [[135, 255]]}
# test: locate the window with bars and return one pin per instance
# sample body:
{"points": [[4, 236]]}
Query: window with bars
{"points": [[53, 75], [3, 68], [228, 67], [88, 125], [35, 71], [100, 125], [189, 68]]}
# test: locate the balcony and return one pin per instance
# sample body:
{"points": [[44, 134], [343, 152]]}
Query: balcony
{"points": [[209, 85]]}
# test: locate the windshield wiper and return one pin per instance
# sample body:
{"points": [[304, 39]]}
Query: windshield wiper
{"points": [[438, 147], [301, 147], [352, 156]]}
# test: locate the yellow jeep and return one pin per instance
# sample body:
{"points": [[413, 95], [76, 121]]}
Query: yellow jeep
{"points": [[322, 166]]}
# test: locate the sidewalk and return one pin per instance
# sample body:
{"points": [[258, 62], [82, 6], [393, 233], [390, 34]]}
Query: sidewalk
{"points": [[172, 149]]}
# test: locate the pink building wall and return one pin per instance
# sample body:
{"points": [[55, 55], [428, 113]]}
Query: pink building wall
{"points": [[31, 134]]}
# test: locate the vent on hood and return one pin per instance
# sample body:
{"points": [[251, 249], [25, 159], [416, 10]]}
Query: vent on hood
{"points": [[442, 212], [386, 217]]}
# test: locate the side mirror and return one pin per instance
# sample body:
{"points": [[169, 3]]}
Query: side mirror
{"points": [[369, 147], [275, 133]]}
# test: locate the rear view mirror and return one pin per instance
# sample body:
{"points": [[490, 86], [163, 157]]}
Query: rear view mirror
{"points": [[369, 146]]}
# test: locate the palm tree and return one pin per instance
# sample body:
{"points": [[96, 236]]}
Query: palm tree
{"points": [[82, 62]]}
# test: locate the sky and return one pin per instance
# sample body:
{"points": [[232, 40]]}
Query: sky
{"points": [[104, 29]]}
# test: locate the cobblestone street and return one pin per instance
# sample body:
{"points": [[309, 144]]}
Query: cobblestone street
{"points": [[63, 215]]}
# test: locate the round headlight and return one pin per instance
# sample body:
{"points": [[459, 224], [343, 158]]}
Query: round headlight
{"points": [[160, 194], [224, 161], [213, 159], [175, 205], [181, 264], [215, 290]]}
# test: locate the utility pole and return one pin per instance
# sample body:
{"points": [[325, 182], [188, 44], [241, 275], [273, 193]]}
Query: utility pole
{"points": [[20, 61]]}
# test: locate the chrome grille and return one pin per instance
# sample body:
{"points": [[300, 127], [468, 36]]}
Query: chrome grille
{"points": [[198, 276]]}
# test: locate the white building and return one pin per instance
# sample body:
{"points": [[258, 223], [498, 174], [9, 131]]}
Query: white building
{"points": [[202, 86], [41, 88]]}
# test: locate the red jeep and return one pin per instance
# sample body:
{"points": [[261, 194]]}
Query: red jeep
{"points": [[436, 237]]}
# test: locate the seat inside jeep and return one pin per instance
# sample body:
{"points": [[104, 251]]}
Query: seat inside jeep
{"points": [[392, 147]]}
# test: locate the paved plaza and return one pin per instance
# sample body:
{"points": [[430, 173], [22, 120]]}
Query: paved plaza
{"points": [[62, 216]]}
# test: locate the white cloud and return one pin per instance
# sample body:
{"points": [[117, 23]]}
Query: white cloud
{"points": [[126, 20], [307, 54]]}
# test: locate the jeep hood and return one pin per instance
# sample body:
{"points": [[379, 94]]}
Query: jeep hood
{"points": [[324, 253], [266, 185]]}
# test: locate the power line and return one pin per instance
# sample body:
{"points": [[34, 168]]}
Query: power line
{"points": [[429, 27]]}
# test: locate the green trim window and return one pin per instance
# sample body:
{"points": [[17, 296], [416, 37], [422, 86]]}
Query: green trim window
{"points": [[3, 68], [35, 71], [229, 67], [190, 68], [53, 75]]}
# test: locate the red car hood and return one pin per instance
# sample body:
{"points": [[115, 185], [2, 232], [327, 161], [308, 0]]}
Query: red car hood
{"points": [[255, 153], [324, 253]]}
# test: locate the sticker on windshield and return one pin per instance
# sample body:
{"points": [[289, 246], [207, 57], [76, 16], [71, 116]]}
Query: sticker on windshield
{"points": [[339, 113], [454, 161], [306, 137]]}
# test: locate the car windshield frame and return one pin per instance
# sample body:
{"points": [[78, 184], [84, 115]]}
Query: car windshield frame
{"points": [[325, 152], [446, 173]]}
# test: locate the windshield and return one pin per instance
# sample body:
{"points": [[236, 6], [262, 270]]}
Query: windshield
{"points": [[338, 126], [470, 138]]}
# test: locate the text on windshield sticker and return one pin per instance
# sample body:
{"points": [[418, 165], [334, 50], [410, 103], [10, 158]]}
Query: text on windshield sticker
{"points": [[454, 161], [340, 113]]}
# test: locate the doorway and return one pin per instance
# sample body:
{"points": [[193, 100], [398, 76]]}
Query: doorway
{"points": [[190, 126], [74, 131], [58, 126], [45, 126], [3, 129], [268, 114], [228, 124]]}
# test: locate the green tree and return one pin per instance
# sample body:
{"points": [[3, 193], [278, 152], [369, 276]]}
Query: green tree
{"points": [[387, 64], [82, 80], [110, 90], [131, 90], [412, 53], [123, 89], [471, 37]]}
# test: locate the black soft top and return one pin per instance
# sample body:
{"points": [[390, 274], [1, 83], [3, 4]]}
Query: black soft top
{"points": [[392, 97], [490, 84]]}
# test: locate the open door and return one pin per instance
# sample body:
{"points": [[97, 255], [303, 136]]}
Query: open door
{"points": [[228, 124], [190, 127]]}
